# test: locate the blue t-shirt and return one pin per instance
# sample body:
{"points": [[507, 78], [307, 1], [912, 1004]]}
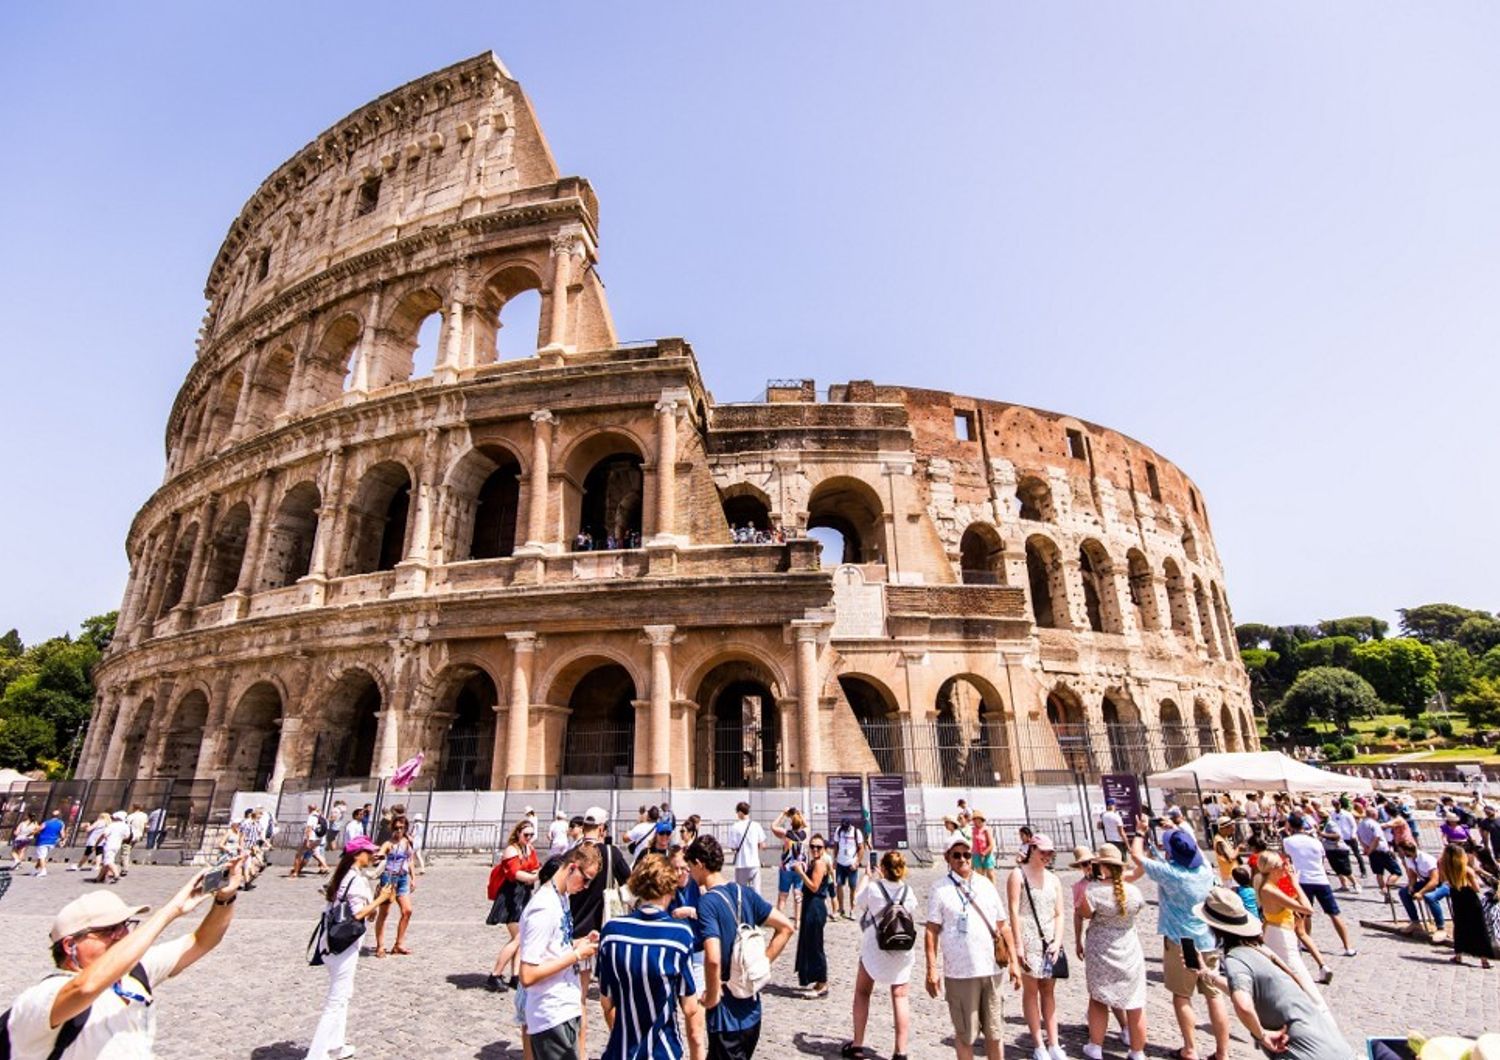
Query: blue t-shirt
{"points": [[688, 895], [644, 967], [51, 832], [1178, 890], [716, 915]]}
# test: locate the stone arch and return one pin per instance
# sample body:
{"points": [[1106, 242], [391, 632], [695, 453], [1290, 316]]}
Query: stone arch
{"points": [[1125, 732], [227, 555], [134, 738], [1177, 598], [1142, 590], [606, 487], [331, 362], [746, 505], [1247, 731], [347, 724], [377, 519], [272, 386], [740, 734], [981, 555], [1221, 618], [509, 316], [1034, 499], [1176, 738], [484, 489], [415, 326], [1047, 583], [1205, 618], [1189, 544], [177, 567], [290, 537], [1203, 723], [1100, 601], [971, 733], [184, 736], [853, 509], [1068, 720], [253, 738], [879, 716], [466, 698], [600, 735], [694, 671], [221, 414]]}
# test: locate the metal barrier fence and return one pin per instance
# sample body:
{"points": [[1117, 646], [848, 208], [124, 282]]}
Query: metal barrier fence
{"points": [[177, 810]]}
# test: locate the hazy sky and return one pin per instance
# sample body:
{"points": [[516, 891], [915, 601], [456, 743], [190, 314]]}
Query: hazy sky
{"points": [[1263, 238]]}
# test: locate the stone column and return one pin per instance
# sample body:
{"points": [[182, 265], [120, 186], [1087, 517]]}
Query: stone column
{"points": [[159, 572], [328, 506], [99, 732], [523, 651], [808, 632], [412, 571], [286, 743], [124, 719], [538, 482], [364, 353], [660, 758], [246, 398], [192, 586], [237, 603], [565, 245], [667, 410], [446, 370], [393, 712]]}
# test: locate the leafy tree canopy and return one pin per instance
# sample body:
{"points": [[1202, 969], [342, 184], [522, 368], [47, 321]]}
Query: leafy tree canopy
{"points": [[1481, 703], [1360, 627], [1456, 667], [1327, 651], [47, 694], [1253, 635], [1479, 634], [1488, 664], [1327, 693], [1431, 622], [1401, 670]]}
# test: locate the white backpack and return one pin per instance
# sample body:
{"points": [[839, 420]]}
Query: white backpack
{"points": [[749, 967]]}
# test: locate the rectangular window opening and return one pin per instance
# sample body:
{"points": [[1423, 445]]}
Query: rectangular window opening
{"points": [[1076, 448], [1193, 498], [369, 197], [963, 427], [1152, 482], [263, 266]]}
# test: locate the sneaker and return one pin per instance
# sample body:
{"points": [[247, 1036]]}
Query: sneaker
{"points": [[42, 873], [1056, 1052], [1325, 975], [1093, 1052], [72, 868], [1040, 1053], [1351, 953], [495, 984], [343, 1053]]}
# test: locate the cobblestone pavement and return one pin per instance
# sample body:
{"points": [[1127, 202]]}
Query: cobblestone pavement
{"points": [[256, 996]]}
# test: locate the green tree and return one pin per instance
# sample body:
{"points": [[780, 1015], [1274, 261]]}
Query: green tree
{"points": [[100, 629], [1360, 627], [1253, 635], [1260, 664], [1401, 670], [1456, 668], [1481, 703], [1479, 634], [1331, 694], [1431, 622], [1327, 651], [1489, 664], [11, 646], [24, 741]]}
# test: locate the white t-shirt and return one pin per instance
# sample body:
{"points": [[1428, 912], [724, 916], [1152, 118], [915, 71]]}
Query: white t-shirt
{"points": [[1113, 826], [115, 835], [886, 967], [637, 835], [557, 837], [1424, 864], [966, 944], [117, 1029], [137, 822], [847, 841], [557, 998], [311, 828], [745, 839], [1307, 854]]}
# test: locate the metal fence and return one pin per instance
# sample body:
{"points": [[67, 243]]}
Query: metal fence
{"points": [[177, 810]]}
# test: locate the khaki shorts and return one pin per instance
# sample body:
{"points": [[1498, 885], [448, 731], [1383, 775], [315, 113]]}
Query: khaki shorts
{"points": [[1179, 980], [975, 1008]]}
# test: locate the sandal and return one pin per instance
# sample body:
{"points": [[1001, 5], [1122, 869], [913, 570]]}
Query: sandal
{"points": [[854, 1052], [380, 953], [401, 950]]}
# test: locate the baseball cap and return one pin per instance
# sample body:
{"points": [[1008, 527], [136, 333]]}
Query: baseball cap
{"points": [[958, 840], [595, 815], [1043, 843], [1174, 812], [1182, 849], [358, 844], [97, 909], [663, 827], [119, 815]]}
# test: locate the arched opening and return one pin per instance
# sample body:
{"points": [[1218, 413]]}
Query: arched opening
{"points": [[177, 570], [833, 547], [600, 739], [330, 370], [1176, 738], [272, 386], [506, 322], [484, 491], [879, 720], [853, 509], [748, 516], [227, 555], [135, 739], [1205, 618], [344, 745], [378, 518], [1190, 544], [610, 511], [971, 735], [1247, 731], [1142, 591], [1099, 597], [1034, 499], [221, 421], [1044, 577], [469, 747], [1177, 599], [1203, 721], [1221, 616], [426, 355], [1230, 729], [980, 556], [518, 331], [253, 738], [1066, 717], [1126, 734], [179, 755], [740, 726], [289, 541]]}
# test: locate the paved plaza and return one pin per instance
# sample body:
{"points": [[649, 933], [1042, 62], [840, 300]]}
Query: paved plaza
{"points": [[257, 997]]}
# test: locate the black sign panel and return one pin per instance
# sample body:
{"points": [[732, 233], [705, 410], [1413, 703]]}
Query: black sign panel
{"points": [[1125, 789], [888, 811], [846, 800]]}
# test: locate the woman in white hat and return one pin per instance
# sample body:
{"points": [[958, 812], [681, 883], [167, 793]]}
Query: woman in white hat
{"points": [[1281, 1016], [1034, 896], [1114, 966]]}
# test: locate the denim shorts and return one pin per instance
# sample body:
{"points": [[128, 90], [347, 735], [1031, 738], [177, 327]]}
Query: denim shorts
{"points": [[844, 875], [402, 882], [786, 880], [1322, 894]]}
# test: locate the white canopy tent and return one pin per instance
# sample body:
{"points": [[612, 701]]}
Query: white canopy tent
{"points": [[1258, 770]]}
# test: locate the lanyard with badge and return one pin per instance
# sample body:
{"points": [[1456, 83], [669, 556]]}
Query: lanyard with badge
{"points": [[964, 899]]}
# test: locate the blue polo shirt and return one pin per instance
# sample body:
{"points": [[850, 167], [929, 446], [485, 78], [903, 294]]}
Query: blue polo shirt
{"points": [[716, 915], [50, 833], [688, 895], [644, 967]]}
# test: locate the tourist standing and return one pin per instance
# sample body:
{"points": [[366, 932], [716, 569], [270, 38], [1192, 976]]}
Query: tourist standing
{"points": [[733, 1021], [816, 875], [550, 957], [1373, 841], [93, 844], [1306, 854], [518, 871], [791, 828], [1347, 827], [1226, 850], [984, 847], [136, 819], [1471, 935], [1278, 912], [646, 973], [21, 838], [47, 837], [1114, 966], [114, 842], [348, 884], [396, 873], [557, 834], [1034, 901], [684, 906], [1112, 825], [886, 967], [1338, 857], [1183, 880], [746, 837], [848, 845], [156, 827], [967, 923], [309, 841]]}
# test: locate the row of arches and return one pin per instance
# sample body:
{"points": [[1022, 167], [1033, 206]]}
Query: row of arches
{"points": [[1033, 502]]}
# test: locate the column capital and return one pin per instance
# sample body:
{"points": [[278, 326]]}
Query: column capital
{"points": [[523, 642], [570, 239], [660, 636], [668, 406], [543, 416]]}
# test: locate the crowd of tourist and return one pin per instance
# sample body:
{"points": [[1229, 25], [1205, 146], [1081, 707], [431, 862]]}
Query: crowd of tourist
{"points": [[587, 541]]}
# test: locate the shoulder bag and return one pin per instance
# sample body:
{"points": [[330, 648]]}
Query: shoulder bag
{"points": [[1003, 956], [1057, 968]]}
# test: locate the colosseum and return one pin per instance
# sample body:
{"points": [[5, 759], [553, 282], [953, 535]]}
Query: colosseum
{"points": [[396, 519]]}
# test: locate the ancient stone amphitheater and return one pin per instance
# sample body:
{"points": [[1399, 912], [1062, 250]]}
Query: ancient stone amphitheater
{"points": [[384, 528]]}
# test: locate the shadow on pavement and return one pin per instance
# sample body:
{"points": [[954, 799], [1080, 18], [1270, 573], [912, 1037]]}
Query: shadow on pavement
{"points": [[468, 980], [817, 1045], [278, 1051]]}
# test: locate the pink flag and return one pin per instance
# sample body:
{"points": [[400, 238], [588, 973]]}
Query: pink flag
{"points": [[408, 771]]}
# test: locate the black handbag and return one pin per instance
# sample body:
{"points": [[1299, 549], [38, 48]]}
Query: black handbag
{"points": [[337, 929], [1054, 969]]}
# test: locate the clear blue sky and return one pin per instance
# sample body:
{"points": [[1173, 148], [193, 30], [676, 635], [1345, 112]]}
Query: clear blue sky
{"points": [[1263, 238]]}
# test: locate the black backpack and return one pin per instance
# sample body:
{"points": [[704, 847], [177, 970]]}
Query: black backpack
{"points": [[68, 1033], [322, 829], [895, 927]]}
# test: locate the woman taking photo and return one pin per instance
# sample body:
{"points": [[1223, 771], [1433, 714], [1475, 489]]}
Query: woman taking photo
{"points": [[1470, 932], [395, 872], [1114, 965], [518, 870], [1034, 895], [817, 887], [348, 884], [1279, 911], [791, 829], [890, 968]]}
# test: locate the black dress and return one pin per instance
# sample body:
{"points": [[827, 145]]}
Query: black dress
{"points": [[812, 960], [1471, 935]]}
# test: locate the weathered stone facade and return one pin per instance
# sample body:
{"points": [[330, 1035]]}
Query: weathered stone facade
{"points": [[351, 559]]}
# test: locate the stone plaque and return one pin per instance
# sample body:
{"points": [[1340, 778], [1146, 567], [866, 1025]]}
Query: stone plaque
{"points": [[859, 608]]}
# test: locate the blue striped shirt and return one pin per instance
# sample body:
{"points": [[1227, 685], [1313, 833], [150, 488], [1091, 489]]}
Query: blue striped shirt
{"points": [[644, 967]]}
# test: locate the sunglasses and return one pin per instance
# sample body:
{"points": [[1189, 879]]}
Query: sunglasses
{"points": [[816, 846], [113, 932], [960, 856]]}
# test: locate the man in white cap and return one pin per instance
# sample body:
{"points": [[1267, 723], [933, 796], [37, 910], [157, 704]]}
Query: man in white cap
{"points": [[115, 835], [109, 964], [557, 834]]}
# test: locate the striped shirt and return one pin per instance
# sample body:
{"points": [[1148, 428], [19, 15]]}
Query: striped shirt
{"points": [[644, 967]]}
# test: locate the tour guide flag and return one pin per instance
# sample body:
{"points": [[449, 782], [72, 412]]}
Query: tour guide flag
{"points": [[408, 771]]}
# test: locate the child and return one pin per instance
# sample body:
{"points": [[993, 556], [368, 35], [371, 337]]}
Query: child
{"points": [[1244, 886]]}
